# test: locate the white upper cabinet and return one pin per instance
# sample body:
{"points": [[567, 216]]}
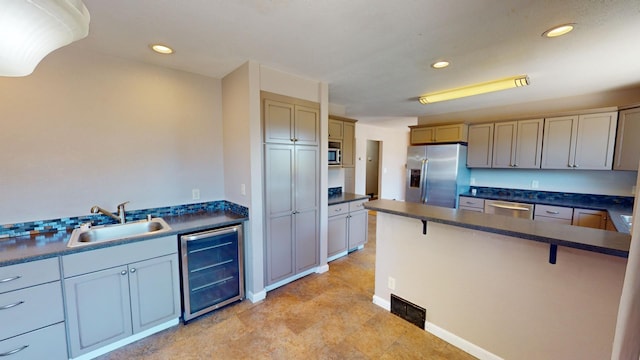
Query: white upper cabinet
{"points": [[627, 154], [287, 123], [518, 144], [583, 142]]}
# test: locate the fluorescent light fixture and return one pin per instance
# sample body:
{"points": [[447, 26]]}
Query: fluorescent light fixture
{"points": [[476, 89], [31, 29], [558, 31], [162, 49]]}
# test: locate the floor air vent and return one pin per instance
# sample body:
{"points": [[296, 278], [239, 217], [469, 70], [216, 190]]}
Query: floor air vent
{"points": [[408, 311]]}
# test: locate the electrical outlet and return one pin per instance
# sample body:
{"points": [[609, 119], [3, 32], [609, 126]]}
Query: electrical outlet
{"points": [[392, 283], [243, 189], [195, 194], [534, 184], [473, 181]]}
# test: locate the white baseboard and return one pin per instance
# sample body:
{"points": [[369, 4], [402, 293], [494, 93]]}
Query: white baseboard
{"points": [[290, 279], [337, 256], [382, 302], [322, 269], [133, 338], [447, 336], [255, 297]]}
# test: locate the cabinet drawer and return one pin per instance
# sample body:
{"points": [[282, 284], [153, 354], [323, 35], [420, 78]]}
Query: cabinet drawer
{"points": [[357, 205], [23, 275], [338, 209], [558, 212], [553, 219], [48, 343], [30, 308], [473, 202], [99, 259]]}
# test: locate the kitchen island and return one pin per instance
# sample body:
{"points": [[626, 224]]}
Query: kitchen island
{"points": [[487, 284]]}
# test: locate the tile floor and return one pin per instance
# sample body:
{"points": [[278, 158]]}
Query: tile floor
{"points": [[321, 316]]}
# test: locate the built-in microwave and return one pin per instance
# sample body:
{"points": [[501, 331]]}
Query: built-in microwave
{"points": [[335, 156]]}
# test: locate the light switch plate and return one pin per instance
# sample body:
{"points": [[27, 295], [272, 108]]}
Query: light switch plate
{"points": [[195, 194]]}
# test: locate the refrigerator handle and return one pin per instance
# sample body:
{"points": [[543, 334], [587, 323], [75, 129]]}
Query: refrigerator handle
{"points": [[423, 182]]}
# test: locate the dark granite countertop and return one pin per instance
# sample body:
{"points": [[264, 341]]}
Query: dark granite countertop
{"points": [[601, 241], [614, 205], [20, 249], [345, 197]]}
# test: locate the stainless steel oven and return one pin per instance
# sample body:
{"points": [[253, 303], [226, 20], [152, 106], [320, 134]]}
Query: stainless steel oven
{"points": [[212, 267]]}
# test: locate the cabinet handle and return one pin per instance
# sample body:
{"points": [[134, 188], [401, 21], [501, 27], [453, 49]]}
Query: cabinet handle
{"points": [[14, 351], [553, 212], [11, 305], [133, 270], [469, 202], [10, 279], [123, 272], [337, 210]]}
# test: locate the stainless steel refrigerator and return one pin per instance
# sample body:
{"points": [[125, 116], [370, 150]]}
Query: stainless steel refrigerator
{"points": [[437, 174]]}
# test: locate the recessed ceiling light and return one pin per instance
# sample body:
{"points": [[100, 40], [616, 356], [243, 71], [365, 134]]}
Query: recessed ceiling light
{"points": [[440, 64], [161, 49], [558, 31]]}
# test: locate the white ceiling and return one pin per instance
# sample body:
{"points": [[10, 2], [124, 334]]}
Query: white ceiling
{"points": [[376, 54]]}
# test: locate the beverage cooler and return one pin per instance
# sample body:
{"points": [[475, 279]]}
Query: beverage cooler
{"points": [[212, 270]]}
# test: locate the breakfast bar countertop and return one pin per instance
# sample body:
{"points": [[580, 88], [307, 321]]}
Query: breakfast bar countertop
{"points": [[21, 249], [600, 241]]}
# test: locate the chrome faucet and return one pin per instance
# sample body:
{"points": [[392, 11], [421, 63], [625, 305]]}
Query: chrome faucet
{"points": [[120, 217]]}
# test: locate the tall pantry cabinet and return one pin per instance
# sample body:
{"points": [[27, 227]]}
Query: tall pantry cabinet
{"points": [[292, 185]]}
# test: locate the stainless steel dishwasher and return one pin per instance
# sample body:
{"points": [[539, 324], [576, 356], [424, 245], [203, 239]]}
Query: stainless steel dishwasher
{"points": [[513, 209], [212, 269]]}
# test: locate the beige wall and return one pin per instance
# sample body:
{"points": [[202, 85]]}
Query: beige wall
{"points": [[499, 292], [89, 129], [394, 142]]}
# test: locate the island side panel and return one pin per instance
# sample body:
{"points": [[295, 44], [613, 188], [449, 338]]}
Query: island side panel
{"points": [[499, 292]]}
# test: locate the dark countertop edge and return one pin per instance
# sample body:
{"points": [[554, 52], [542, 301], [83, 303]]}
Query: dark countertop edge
{"points": [[180, 224], [614, 210], [346, 197], [595, 240]]}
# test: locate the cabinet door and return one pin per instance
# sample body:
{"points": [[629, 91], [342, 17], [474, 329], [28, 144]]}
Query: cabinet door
{"points": [[98, 309], [336, 128], [279, 179], [559, 141], [280, 247], [155, 292], [307, 236], [480, 146], [306, 178], [278, 122], [627, 154], [307, 125], [504, 144], [595, 141], [590, 218], [451, 133], [529, 144], [423, 135], [358, 222], [336, 235], [348, 145]]}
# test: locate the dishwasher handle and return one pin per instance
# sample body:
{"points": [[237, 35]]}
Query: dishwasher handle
{"points": [[510, 207]]}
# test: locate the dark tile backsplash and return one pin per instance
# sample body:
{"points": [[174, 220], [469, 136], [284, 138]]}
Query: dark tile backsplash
{"points": [[334, 191], [64, 224]]}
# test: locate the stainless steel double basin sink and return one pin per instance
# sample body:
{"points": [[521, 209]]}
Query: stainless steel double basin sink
{"points": [[100, 234]]}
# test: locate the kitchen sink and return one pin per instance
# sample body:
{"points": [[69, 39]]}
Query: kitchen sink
{"points": [[106, 233], [628, 219]]}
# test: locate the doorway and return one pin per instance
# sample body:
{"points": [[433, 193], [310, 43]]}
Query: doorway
{"points": [[372, 181]]}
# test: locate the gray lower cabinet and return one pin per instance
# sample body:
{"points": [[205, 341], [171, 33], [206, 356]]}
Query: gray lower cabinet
{"points": [[115, 292], [31, 311], [347, 228]]}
